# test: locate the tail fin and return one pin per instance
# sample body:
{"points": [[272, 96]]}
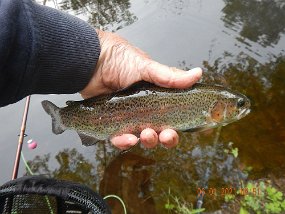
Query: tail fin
{"points": [[53, 111]]}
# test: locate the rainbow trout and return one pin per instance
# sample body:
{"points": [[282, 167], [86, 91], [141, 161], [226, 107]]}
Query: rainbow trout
{"points": [[145, 105]]}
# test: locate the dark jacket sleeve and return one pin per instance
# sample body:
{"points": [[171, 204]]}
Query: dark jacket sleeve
{"points": [[43, 51]]}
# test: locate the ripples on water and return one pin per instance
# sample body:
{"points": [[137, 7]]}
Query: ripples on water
{"points": [[239, 43]]}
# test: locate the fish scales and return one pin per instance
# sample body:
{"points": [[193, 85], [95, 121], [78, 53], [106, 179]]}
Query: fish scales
{"points": [[132, 112], [145, 105]]}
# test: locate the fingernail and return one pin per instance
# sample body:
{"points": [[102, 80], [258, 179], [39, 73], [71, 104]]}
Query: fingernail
{"points": [[196, 70]]}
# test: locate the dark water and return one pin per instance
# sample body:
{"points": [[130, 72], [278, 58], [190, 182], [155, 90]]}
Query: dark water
{"points": [[239, 43]]}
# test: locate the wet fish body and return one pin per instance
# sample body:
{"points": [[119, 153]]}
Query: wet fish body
{"points": [[145, 105]]}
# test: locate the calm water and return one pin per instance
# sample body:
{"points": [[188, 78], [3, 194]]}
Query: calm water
{"points": [[239, 43]]}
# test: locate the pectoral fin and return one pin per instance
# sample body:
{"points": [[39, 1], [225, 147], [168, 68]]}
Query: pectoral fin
{"points": [[87, 140]]}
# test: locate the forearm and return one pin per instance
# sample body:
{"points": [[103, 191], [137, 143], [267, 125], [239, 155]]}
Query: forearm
{"points": [[43, 51]]}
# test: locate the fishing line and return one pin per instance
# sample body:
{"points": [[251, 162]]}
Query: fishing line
{"points": [[119, 199], [26, 164]]}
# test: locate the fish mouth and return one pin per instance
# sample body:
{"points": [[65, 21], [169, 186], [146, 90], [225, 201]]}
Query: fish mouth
{"points": [[243, 113]]}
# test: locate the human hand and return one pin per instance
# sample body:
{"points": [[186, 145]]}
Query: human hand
{"points": [[120, 65]]}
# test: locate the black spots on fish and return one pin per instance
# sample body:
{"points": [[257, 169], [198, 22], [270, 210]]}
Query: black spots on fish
{"points": [[154, 107], [127, 105]]}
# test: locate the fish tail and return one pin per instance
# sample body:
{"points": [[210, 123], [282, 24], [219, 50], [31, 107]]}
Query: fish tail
{"points": [[53, 111]]}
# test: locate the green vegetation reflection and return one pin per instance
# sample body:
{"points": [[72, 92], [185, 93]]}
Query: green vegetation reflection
{"points": [[106, 15]]}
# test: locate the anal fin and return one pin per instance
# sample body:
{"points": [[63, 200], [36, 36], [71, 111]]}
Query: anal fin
{"points": [[201, 128], [87, 140]]}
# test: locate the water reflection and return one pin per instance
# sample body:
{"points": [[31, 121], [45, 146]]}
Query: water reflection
{"points": [[125, 175], [129, 176], [105, 15], [260, 136], [256, 20], [144, 177], [201, 160], [72, 166]]}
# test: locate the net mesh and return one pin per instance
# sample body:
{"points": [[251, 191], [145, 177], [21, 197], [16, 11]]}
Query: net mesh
{"points": [[36, 194]]}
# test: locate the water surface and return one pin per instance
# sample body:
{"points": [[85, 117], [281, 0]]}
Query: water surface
{"points": [[239, 43]]}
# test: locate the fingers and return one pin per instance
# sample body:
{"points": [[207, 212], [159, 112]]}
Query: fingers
{"points": [[169, 138], [170, 77], [124, 141], [149, 138]]}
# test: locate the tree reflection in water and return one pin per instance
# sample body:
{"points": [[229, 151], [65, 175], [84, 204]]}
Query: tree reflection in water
{"points": [[106, 15], [259, 20], [261, 135]]}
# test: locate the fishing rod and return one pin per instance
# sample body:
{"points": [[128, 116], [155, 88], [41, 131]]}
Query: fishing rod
{"points": [[23, 127], [21, 138]]}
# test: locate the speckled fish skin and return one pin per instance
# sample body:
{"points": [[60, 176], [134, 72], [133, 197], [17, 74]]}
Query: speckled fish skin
{"points": [[146, 105]]}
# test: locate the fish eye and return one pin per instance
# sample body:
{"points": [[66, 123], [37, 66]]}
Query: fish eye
{"points": [[240, 103]]}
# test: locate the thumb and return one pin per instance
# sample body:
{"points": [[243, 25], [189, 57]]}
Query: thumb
{"points": [[170, 77]]}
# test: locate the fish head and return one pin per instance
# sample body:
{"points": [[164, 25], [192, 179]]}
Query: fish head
{"points": [[229, 107]]}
